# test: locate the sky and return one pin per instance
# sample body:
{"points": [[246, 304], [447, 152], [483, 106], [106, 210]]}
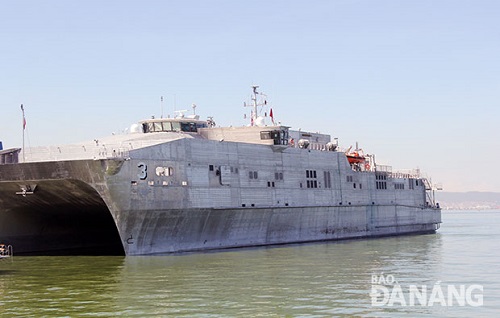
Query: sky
{"points": [[417, 83]]}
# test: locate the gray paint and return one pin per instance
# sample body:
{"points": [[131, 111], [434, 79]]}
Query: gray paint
{"points": [[155, 193]]}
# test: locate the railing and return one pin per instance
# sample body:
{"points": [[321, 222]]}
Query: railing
{"points": [[6, 251], [383, 168], [430, 193], [406, 174], [76, 152]]}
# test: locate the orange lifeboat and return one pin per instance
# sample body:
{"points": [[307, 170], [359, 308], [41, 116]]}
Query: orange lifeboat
{"points": [[355, 157]]}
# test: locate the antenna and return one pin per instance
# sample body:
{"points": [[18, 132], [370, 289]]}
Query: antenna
{"points": [[161, 103], [254, 99], [24, 128], [175, 102], [253, 115]]}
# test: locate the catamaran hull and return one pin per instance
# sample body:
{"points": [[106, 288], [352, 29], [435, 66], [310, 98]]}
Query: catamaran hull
{"points": [[75, 228], [92, 207], [191, 230]]}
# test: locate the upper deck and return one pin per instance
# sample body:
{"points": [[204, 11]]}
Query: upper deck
{"points": [[262, 130]]}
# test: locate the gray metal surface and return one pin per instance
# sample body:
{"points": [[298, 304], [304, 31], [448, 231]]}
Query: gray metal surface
{"points": [[175, 191]]}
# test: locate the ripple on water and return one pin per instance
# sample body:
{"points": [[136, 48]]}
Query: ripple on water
{"points": [[310, 280]]}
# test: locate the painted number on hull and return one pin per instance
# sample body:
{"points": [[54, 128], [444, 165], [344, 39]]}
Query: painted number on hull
{"points": [[143, 171]]}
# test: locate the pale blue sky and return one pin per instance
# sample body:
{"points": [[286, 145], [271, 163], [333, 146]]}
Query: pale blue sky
{"points": [[415, 82]]}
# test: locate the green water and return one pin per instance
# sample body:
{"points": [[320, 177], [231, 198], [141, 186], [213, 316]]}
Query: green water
{"points": [[310, 280]]}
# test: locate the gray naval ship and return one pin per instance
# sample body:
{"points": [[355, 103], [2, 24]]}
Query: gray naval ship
{"points": [[182, 184]]}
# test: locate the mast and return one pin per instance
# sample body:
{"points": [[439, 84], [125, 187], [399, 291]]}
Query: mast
{"points": [[24, 128], [255, 103], [161, 103], [254, 100], [253, 112]]}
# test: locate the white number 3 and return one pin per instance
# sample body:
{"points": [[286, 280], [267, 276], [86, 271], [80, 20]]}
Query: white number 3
{"points": [[143, 171]]}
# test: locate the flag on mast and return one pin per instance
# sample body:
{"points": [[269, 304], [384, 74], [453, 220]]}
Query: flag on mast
{"points": [[24, 118], [271, 115]]}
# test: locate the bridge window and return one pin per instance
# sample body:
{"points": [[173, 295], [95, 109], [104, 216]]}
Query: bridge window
{"points": [[279, 137], [176, 126], [188, 127], [167, 126]]}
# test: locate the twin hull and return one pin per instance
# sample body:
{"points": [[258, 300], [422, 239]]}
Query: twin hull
{"points": [[142, 205]]}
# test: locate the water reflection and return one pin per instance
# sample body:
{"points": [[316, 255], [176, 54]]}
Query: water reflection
{"points": [[320, 280]]}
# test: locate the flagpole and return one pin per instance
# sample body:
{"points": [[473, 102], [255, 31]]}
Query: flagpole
{"points": [[24, 127]]}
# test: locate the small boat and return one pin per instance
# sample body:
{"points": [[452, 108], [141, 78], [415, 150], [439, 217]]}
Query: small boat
{"points": [[355, 157], [358, 160]]}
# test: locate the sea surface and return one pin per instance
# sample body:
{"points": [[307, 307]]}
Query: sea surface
{"points": [[333, 279]]}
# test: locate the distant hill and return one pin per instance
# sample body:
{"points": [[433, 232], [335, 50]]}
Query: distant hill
{"points": [[468, 200]]}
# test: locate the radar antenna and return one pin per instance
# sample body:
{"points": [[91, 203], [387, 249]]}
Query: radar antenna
{"points": [[255, 104]]}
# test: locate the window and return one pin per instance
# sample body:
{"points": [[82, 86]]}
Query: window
{"points": [[279, 137], [167, 126], [151, 127], [188, 127], [176, 126], [278, 175], [411, 185], [382, 183], [264, 135], [157, 127], [211, 168], [311, 177], [327, 179], [253, 174]]}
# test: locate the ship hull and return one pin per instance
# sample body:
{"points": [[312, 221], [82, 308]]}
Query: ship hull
{"points": [[67, 217], [173, 231], [103, 207]]}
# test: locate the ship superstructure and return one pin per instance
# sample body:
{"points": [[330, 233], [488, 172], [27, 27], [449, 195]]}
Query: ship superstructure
{"points": [[183, 184]]}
